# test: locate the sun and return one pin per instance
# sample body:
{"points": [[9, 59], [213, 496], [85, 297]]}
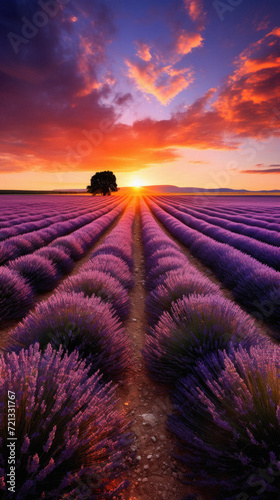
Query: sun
{"points": [[136, 183]]}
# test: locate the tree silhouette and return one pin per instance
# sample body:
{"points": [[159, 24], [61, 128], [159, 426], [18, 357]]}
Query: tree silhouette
{"points": [[103, 182]]}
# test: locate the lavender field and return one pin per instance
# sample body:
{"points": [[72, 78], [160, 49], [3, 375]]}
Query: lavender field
{"points": [[140, 347]]}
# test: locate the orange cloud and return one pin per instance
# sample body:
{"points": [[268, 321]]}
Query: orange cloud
{"points": [[249, 101], [188, 41], [196, 12], [157, 74], [144, 51], [164, 82], [195, 9]]}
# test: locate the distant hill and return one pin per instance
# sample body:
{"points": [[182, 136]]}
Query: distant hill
{"points": [[150, 190], [181, 190]]}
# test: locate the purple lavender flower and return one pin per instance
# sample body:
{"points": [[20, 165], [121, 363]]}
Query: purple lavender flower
{"points": [[71, 244], [38, 271], [178, 283], [59, 257], [114, 249], [16, 296], [80, 323], [71, 441], [114, 266], [164, 265], [227, 421], [99, 284], [196, 326]]}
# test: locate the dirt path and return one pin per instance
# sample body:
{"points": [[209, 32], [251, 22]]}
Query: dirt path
{"points": [[155, 475]]}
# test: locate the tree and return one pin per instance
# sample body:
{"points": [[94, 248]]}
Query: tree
{"points": [[103, 182]]}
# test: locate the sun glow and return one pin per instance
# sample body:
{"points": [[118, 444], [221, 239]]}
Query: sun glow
{"points": [[136, 183]]}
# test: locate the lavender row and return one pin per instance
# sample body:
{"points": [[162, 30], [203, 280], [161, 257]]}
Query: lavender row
{"points": [[249, 206], [31, 205], [22, 217], [188, 316], [265, 235], [265, 253], [27, 211], [25, 244], [254, 285], [268, 223], [30, 275], [43, 220]]}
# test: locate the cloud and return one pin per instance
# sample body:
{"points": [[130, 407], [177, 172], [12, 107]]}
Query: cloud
{"points": [[162, 81], [188, 41], [263, 24], [249, 101], [196, 12], [273, 168], [199, 162], [123, 99], [157, 73], [265, 171], [143, 51]]}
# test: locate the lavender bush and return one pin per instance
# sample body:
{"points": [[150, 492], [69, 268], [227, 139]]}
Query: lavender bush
{"points": [[59, 257], [38, 271], [99, 284], [121, 252], [68, 430], [71, 245], [227, 422], [16, 296], [164, 251], [178, 283], [76, 322], [114, 266], [196, 326], [164, 265]]}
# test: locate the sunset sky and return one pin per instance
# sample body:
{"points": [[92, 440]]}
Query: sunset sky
{"points": [[182, 92]]}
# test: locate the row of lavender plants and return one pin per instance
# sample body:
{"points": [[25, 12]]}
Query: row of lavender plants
{"points": [[223, 376], [254, 285], [29, 275], [30, 241], [269, 236], [18, 226], [29, 213], [23, 210], [263, 221], [67, 352], [266, 253]]}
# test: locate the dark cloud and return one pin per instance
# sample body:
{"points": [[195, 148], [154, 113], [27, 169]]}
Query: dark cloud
{"points": [[123, 99], [264, 171]]}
